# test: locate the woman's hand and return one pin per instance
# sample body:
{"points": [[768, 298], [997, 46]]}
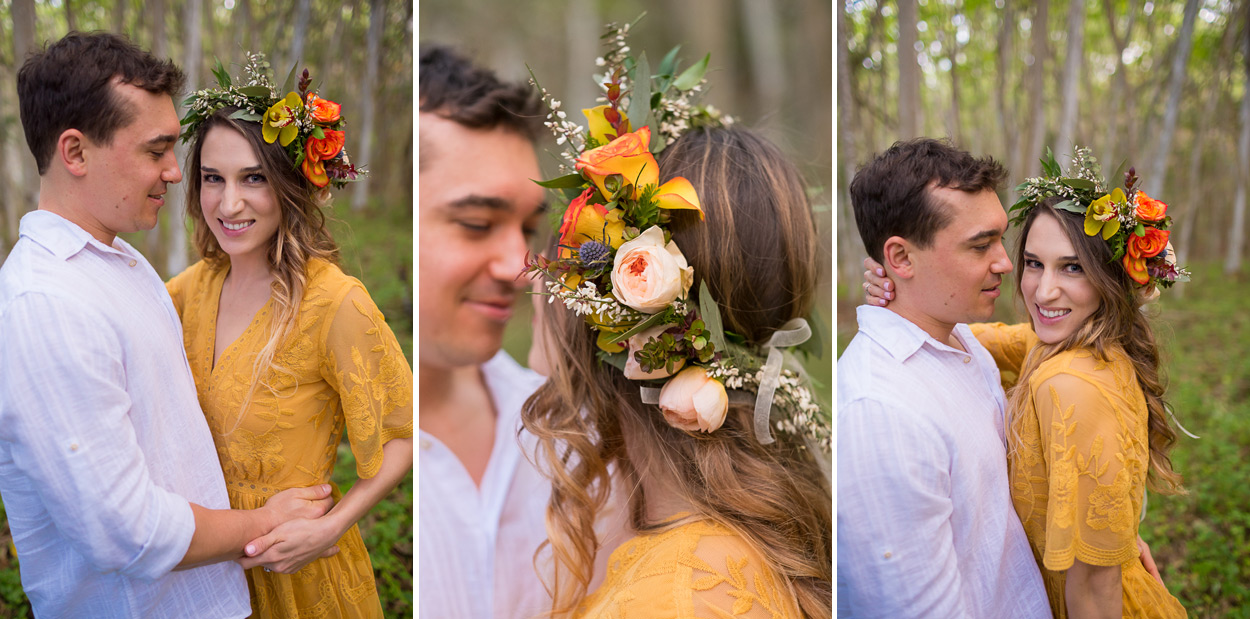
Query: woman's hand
{"points": [[878, 289], [1147, 560], [1093, 591], [292, 545], [310, 502]]}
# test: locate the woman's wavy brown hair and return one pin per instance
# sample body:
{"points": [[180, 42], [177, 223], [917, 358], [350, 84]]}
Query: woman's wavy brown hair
{"points": [[1118, 322], [301, 237], [757, 253]]}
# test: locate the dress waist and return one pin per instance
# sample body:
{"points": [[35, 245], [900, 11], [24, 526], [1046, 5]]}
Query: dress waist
{"points": [[266, 490]]}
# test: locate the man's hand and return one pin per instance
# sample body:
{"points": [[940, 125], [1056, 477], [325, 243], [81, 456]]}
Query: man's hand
{"points": [[292, 545], [311, 503]]}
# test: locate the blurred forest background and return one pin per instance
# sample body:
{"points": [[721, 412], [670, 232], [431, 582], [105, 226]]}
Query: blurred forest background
{"points": [[359, 53], [1161, 84], [770, 68]]}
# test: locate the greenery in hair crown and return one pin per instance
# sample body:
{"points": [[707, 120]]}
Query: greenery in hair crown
{"points": [[618, 267], [308, 127], [1131, 222]]}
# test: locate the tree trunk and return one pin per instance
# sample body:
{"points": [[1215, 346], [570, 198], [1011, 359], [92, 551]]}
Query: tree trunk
{"points": [[1006, 120], [23, 191], [1111, 146], [581, 35], [71, 23], [193, 57], [119, 16], [1074, 56], [1184, 45], [303, 12], [952, 47], [153, 242], [1237, 234], [909, 124], [850, 247], [763, 42], [1037, 90], [377, 16]]}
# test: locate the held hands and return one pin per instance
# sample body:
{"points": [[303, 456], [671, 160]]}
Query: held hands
{"points": [[298, 533], [878, 289], [292, 545], [1147, 560]]}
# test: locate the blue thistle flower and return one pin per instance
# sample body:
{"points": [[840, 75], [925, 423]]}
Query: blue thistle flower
{"points": [[593, 254]]}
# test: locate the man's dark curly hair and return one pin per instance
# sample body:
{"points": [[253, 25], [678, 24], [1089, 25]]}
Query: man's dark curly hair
{"points": [[450, 86]]}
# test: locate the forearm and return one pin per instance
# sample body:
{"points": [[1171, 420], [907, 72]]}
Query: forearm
{"points": [[1093, 591], [368, 491], [221, 534]]}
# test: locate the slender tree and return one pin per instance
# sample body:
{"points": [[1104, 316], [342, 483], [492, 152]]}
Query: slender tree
{"points": [[909, 120], [377, 16], [1071, 89], [1180, 62]]}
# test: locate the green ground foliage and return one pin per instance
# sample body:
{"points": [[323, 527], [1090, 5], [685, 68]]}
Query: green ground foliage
{"points": [[377, 248], [1200, 540]]}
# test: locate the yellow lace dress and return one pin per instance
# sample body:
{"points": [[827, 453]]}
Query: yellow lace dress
{"points": [[697, 569], [1077, 459], [346, 370]]}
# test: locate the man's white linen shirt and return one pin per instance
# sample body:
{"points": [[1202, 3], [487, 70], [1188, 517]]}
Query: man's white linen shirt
{"points": [[926, 526], [102, 441], [477, 543]]}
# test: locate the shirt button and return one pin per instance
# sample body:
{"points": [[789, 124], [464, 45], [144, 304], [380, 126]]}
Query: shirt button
{"points": [[134, 262], [889, 554], [967, 359], [424, 444], [73, 447]]}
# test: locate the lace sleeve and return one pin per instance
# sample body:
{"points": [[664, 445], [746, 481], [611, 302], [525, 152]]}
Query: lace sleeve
{"points": [[364, 363], [1008, 344], [1096, 460]]}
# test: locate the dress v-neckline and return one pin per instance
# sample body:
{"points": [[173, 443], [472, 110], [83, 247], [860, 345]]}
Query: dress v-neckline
{"points": [[214, 361]]}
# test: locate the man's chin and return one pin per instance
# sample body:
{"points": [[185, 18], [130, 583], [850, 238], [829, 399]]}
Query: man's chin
{"points": [[450, 354]]}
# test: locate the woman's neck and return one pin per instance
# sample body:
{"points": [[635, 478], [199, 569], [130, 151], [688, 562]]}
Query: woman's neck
{"points": [[248, 271]]}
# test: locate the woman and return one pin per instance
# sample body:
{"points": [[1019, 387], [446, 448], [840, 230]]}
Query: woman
{"points": [[725, 524], [287, 351], [1088, 427]]}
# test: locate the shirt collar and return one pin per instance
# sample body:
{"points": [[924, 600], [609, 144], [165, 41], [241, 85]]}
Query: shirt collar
{"points": [[901, 337], [64, 238]]}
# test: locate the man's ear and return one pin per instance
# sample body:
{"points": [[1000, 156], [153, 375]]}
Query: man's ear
{"points": [[70, 150], [899, 253]]}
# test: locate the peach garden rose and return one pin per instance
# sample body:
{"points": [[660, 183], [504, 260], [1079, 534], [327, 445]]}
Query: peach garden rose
{"points": [[649, 274], [692, 401]]}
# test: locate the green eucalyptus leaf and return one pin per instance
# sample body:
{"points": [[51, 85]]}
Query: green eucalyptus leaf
{"points": [[669, 63], [709, 311], [640, 100], [651, 320], [1079, 183], [815, 345], [1049, 165], [568, 180], [1117, 178], [617, 360], [1071, 207], [223, 78], [245, 115], [692, 76], [255, 91], [288, 85]]}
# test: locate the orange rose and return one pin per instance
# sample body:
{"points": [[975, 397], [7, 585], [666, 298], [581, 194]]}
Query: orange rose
{"points": [[323, 111], [315, 171], [1147, 246], [626, 155], [1150, 209], [324, 149], [1136, 268]]}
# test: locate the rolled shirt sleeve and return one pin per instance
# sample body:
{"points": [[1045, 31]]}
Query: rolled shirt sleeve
{"points": [[67, 419], [896, 552]]}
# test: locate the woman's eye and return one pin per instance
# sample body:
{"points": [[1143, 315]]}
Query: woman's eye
{"points": [[211, 178], [1073, 268], [256, 178], [1032, 264], [474, 226]]}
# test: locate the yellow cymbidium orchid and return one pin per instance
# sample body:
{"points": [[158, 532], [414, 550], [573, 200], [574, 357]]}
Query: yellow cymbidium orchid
{"points": [[279, 122], [1101, 216]]}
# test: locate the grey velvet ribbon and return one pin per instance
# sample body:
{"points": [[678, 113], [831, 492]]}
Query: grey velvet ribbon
{"points": [[793, 333]]}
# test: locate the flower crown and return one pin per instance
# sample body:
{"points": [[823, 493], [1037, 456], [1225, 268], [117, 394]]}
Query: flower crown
{"points": [[619, 269], [1131, 222], [308, 127]]}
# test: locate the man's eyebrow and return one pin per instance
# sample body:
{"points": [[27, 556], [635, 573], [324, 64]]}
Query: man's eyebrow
{"points": [[985, 235], [162, 140]]}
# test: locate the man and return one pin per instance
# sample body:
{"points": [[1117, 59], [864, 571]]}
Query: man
{"points": [[926, 526], [481, 504], [109, 474]]}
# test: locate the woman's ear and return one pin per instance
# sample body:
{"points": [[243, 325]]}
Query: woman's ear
{"points": [[898, 257]]}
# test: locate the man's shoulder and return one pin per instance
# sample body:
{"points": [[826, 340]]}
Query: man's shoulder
{"points": [[502, 371]]}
